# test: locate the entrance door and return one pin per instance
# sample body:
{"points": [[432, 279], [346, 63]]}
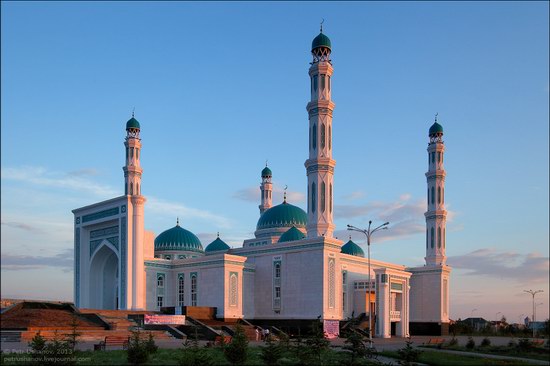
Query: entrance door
{"points": [[393, 328]]}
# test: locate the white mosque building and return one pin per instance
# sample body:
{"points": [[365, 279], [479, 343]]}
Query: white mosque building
{"points": [[294, 269]]}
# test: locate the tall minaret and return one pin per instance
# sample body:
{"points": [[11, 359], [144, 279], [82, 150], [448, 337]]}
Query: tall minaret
{"points": [[132, 184], [320, 166], [132, 169], [436, 216], [266, 188]]}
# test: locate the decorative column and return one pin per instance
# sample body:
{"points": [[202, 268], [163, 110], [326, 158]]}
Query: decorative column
{"points": [[436, 216], [383, 324], [320, 165], [266, 188], [138, 266]]}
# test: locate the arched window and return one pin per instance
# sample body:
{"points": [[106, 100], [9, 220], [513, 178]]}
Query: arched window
{"points": [[439, 156], [331, 283], [137, 154], [433, 157], [322, 82], [330, 197], [323, 136], [329, 137], [444, 239], [323, 193], [131, 152], [314, 136], [160, 281], [131, 188], [181, 290], [278, 270], [443, 195], [313, 195], [438, 194], [439, 237], [314, 82], [433, 195], [137, 188], [328, 82], [432, 239]]}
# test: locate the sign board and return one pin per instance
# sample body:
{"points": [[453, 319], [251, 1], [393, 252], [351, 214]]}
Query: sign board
{"points": [[331, 328], [164, 319]]}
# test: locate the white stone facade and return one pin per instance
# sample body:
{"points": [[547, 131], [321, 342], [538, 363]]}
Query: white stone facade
{"points": [[118, 266]]}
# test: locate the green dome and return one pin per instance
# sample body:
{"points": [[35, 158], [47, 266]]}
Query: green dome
{"points": [[436, 128], [216, 245], [283, 215], [320, 41], [291, 234], [132, 123], [177, 238], [266, 172], [352, 249]]}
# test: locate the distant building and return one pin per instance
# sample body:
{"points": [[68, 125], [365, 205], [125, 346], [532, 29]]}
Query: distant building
{"points": [[476, 323], [292, 269]]}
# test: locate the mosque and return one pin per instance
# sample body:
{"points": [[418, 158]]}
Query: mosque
{"points": [[293, 269]]}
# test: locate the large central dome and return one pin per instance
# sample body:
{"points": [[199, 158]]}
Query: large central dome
{"points": [[283, 215]]}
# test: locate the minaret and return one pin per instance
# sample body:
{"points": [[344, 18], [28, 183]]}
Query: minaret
{"points": [[132, 169], [436, 216], [132, 184], [266, 188], [320, 166]]}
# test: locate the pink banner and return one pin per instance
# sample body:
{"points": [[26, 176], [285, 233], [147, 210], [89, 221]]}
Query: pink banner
{"points": [[164, 319], [331, 328]]}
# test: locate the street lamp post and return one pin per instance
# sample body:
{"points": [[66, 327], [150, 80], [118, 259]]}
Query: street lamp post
{"points": [[533, 293], [535, 313], [496, 322], [368, 232]]}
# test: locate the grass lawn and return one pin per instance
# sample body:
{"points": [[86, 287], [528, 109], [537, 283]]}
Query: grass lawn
{"points": [[538, 353], [444, 359], [172, 356]]}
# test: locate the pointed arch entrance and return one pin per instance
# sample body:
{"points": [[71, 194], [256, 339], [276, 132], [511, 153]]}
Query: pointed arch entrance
{"points": [[104, 275]]}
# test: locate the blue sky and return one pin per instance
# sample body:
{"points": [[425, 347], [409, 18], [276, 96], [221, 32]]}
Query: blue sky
{"points": [[219, 87]]}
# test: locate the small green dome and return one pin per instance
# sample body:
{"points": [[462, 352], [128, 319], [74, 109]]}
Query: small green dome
{"points": [[291, 234], [320, 41], [216, 245], [352, 249], [436, 128], [266, 172], [177, 238], [283, 215], [132, 123]]}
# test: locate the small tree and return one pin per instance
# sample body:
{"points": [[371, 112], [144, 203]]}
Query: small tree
{"points": [[58, 352], [193, 355], [271, 352], [408, 355], [486, 342], [150, 345], [453, 342], [72, 338], [317, 344], [524, 345], [137, 350], [471, 343], [236, 352], [38, 347], [356, 345]]}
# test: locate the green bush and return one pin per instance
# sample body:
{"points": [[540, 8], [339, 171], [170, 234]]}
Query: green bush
{"points": [[150, 344], [236, 352], [453, 342], [37, 346], [271, 353], [137, 350], [524, 345], [486, 342], [471, 343]]}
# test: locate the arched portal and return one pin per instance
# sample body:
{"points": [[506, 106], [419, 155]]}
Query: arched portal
{"points": [[104, 278]]}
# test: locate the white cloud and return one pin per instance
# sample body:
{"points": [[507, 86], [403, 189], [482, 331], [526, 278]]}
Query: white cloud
{"points": [[157, 205], [252, 194], [354, 196]]}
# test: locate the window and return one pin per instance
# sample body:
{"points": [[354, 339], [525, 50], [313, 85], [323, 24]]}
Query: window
{"points": [[313, 194], [314, 136], [328, 82], [439, 156], [329, 137], [168, 257], [131, 188], [344, 288], [277, 270], [432, 231], [330, 197], [131, 152], [426, 238], [323, 189], [442, 195], [160, 301], [322, 82], [433, 157], [277, 292], [127, 153], [181, 257], [233, 289], [433, 195], [193, 289], [439, 237], [276, 283], [314, 82], [160, 281], [181, 290], [323, 137], [444, 240], [438, 194]]}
